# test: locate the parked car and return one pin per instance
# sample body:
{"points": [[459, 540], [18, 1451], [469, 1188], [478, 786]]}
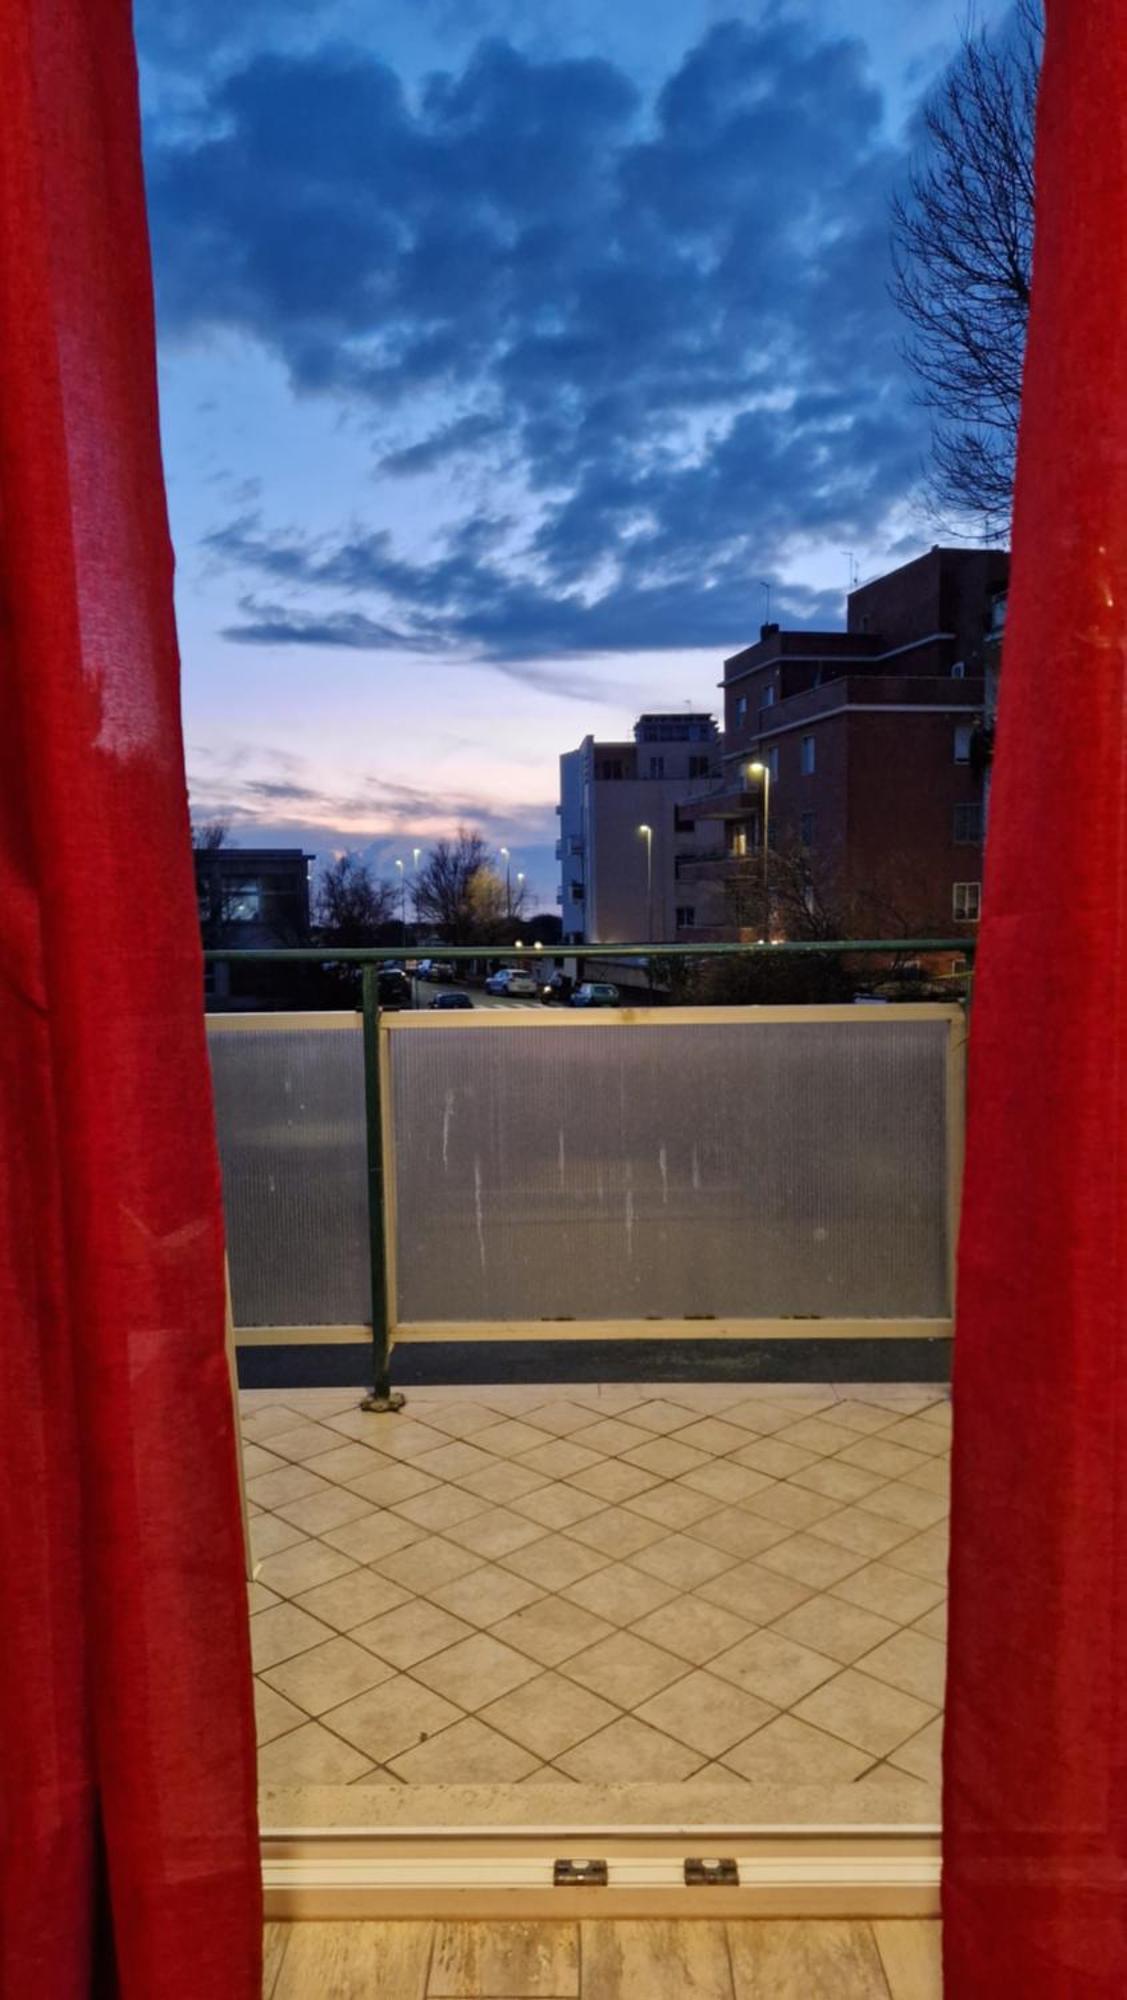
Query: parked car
{"points": [[521, 982], [559, 988], [596, 993], [497, 982], [441, 972], [394, 989], [449, 1003]]}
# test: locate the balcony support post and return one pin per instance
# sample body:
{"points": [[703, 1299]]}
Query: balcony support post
{"points": [[382, 1399]]}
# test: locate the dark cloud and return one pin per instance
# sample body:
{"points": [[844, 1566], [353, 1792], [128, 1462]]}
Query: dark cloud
{"points": [[667, 321], [461, 603]]}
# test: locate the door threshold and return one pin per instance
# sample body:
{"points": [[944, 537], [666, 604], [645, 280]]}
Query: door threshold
{"points": [[577, 1871]]}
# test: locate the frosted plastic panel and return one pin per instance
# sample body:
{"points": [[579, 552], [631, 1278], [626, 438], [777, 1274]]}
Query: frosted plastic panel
{"points": [[745, 1170], [290, 1111]]}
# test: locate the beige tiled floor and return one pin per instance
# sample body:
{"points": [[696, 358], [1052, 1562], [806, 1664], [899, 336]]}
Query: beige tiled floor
{"points": [[663, 1584]]}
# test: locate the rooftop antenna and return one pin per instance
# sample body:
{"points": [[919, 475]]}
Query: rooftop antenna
{"points": [[852, 562], [766, 589]]}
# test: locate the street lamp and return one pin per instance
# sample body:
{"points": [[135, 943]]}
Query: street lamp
{"points": [[508, 860], [402, 901], [647, 834], [763, 773]]}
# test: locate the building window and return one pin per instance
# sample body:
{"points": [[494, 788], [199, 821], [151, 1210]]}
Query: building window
{"points": [[959, 671], [967, 902], [963, 734], [576, 892], [806, 829], [771, 759], [609, 767], [242, 902], [767, 698], [741, 708], [657, 767], [686, 916], [699, 767], [968, 824], [808, 756], [738, 843]]}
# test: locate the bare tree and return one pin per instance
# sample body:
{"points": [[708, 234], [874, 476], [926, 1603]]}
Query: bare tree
{"points": [[352, 906], [962, 247], [811, 901], [463, 891], [209, 835]]}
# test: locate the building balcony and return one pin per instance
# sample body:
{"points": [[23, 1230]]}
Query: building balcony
{"points": [[504, 1233], [853, 691], [530, 1197], [718, 867]]}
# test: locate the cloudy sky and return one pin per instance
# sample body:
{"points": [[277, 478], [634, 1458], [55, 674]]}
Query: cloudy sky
{"points": [[508, 348]]}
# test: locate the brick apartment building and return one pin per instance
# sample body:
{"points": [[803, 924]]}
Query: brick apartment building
{"points": [[625, 837], [868, 742]]}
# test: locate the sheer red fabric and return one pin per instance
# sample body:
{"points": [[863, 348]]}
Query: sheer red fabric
{"points": [[1035, 1806], [129, 1851]]}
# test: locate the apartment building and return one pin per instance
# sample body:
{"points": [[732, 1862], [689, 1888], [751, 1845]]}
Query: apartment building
{"points": [[250, 897], [862, 750], [627, 840]]}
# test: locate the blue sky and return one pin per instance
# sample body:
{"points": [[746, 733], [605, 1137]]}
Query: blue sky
{"points": [[506, 349]]}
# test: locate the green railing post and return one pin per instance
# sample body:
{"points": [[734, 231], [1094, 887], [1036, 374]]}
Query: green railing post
{"points": [[381, 1399]]}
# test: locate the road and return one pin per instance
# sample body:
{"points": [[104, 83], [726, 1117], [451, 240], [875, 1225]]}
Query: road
{"points": [[424, 993]]}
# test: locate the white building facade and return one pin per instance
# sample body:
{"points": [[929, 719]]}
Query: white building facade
{"points": [[625, 835]]}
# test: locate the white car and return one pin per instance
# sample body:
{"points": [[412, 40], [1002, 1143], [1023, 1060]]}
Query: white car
{"points": [[521, 982]]}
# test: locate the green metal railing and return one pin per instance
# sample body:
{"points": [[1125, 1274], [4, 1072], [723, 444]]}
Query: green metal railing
{"points": [[370, 958]]}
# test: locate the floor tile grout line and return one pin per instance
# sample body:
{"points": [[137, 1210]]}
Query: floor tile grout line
{"points": [[539, 1667]]}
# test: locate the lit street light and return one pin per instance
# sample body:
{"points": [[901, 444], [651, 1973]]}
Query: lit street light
{"points": [[763, 773], [402, 900], [647, 834], [508, 859]]}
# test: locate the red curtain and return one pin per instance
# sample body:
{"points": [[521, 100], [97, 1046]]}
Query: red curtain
{"points": [[1035, 1807], [129, 1850]]}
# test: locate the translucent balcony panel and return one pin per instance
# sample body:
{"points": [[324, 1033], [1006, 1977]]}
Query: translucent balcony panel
{"points": [[290, 1112], [740, 1170]]}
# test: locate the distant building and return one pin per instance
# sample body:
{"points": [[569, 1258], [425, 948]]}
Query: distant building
{"points": [[625, 836], [868, 748], [250, 898], [992, 669]]}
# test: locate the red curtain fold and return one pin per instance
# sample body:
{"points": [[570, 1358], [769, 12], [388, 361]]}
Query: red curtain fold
{"points": [[1035, 1796], [129, 1859]]}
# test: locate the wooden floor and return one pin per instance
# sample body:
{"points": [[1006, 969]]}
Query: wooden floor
{"points": [[603, 1961]]}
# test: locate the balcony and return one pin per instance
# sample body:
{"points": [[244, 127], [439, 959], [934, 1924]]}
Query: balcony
{"points": [[604, 1569], [599, 1189], [719, 866]]}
